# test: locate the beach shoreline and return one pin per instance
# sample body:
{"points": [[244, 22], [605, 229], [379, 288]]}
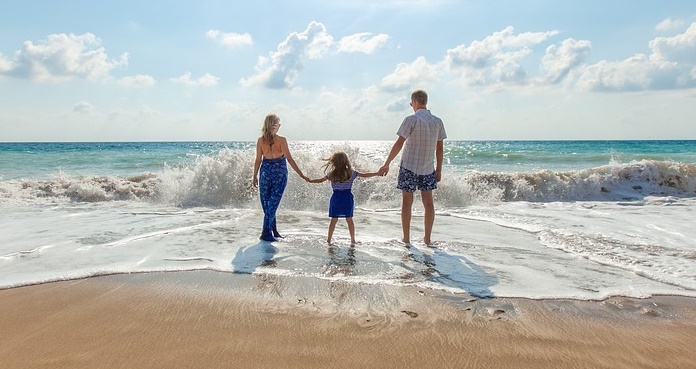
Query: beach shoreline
{"points": [[219, 320]]}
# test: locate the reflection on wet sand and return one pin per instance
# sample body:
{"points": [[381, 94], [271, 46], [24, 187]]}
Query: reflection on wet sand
{"points": [[341, 261]]}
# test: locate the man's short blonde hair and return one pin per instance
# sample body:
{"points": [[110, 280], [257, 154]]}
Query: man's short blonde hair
{"points": [[420, 97]]}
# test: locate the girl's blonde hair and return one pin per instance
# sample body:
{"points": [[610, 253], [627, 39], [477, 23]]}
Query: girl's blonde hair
{"points": [[267, 129], [338, 167]]}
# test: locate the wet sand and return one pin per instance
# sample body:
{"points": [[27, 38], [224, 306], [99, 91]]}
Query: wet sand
{"points": [[223, 320]]}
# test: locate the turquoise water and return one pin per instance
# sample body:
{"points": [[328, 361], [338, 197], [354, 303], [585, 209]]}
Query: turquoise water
{"points": [[514, 156], [44, 160]]}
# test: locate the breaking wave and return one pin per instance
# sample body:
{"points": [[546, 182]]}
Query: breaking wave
{"points": [[224, 179]]}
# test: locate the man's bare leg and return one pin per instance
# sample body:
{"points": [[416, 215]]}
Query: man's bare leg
{"points": [[406, 205], [429, 217]]}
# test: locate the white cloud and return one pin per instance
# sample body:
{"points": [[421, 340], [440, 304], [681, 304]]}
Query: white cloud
{"points": [[629, 74], [5, 64], [62, 57], [281, 68], [498, 60], [670, 25], [409, 76], [231, 40], [83, 107], [320, 41], [560, 60], [636, 73], [206, 80], [495, 59], [680, 48], [670, 66], [398, 105], [362, 42], [141, 80]]}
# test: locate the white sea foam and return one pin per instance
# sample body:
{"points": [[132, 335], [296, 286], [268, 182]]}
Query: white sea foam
{"points": [[224, 179], [585, 250]]}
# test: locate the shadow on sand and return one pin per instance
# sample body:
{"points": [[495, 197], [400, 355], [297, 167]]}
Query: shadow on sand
{"points": [[247, 259], [452, 271]]}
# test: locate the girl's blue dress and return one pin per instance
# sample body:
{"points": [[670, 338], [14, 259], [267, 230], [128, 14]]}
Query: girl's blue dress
{"points": [[341, 204]]}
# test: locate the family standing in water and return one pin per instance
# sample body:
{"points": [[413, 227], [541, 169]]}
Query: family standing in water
{"points": [[420, 135]]}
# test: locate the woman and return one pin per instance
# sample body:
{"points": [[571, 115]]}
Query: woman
{"points": [[272, 152]]}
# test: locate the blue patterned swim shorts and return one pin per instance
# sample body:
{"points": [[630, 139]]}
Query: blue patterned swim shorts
{"points": [[409, 181]]}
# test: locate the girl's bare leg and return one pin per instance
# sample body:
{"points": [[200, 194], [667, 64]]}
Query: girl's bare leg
{"points": [[351, 229], [332, 227]]}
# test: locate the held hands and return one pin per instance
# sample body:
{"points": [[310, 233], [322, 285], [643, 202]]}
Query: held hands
{"points": [[383, 170]]}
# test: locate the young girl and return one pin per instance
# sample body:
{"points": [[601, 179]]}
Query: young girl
{"points": [[341, 175]]}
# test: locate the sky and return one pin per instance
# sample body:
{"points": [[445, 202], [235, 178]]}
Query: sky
{"points": [[84, 70]]}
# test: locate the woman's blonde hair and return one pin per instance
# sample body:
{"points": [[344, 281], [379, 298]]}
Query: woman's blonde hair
{"points": [[267, 129], [338, 167]]}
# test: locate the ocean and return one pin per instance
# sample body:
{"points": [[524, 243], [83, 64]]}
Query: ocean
{"points": [[532, 219]]}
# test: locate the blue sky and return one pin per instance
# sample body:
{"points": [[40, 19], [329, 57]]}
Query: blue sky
{"points": [[77, 70]]}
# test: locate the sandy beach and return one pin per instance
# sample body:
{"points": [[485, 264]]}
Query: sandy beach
{"points": [[222, 320]]}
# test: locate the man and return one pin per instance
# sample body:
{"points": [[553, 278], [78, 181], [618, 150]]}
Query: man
{"points": [[422, 133]]}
